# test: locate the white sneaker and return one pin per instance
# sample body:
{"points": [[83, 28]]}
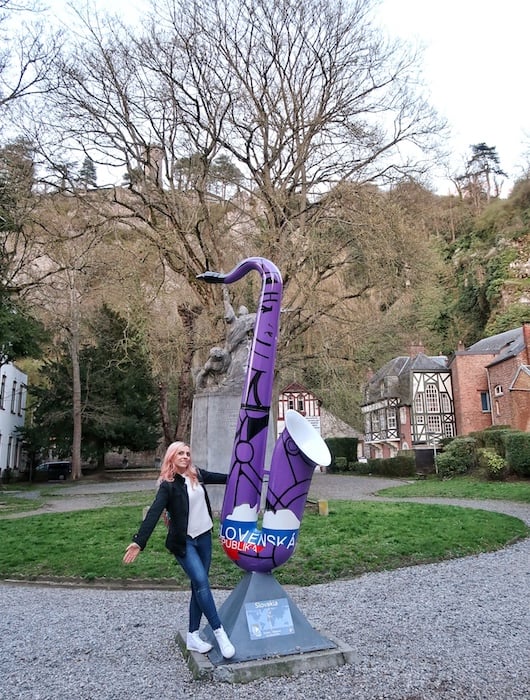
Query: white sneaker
{"points": [[225, 645], [195, 643]]}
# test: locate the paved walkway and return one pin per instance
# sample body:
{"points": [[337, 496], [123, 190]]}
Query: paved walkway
{"points": [[96, 494]]}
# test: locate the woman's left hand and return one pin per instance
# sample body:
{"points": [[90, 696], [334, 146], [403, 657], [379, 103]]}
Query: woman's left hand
{"points": [[132, 551]]}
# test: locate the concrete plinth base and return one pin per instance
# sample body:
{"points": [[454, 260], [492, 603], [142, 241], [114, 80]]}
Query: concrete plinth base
{"points": [[271, 635], [202, 668]]}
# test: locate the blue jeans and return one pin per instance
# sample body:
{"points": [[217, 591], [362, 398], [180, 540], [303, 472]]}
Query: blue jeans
{"points": [[196, 564]]}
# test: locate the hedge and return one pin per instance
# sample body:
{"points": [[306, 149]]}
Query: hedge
{"points": [[518, 453], [402, 465], [343, 447]]}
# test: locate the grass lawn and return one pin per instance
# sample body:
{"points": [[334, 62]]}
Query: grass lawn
{"points": [[463, 487], [355, 538]]}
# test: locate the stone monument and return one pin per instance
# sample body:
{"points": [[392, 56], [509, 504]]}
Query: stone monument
{"points": [[218, 387]]}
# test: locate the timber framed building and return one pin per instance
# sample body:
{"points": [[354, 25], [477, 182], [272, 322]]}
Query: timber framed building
{"points": [[414, 401]]}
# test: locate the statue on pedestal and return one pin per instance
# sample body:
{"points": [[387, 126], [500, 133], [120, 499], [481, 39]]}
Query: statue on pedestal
{"points": [[225, 367]]}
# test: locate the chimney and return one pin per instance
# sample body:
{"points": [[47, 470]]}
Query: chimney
{"points": [[415, 348], [461, 347], [526, 337]]}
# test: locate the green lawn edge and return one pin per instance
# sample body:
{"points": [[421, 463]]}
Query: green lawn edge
{"points": [[357, 537]]}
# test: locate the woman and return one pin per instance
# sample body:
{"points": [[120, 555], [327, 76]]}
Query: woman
{"points": [[182, 495]]}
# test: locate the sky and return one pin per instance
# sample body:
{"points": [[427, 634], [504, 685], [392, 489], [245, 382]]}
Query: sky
{"points": [[476, 68], [475, 60]]}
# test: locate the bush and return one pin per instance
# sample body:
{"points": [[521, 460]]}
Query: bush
{"points": [[459, 457], [341, 463], [345, 448], [364, 468], [492, 464], [494, 437], [402, 465], [518, 453]]}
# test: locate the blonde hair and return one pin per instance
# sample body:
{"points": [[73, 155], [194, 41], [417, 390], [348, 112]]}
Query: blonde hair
{"points": [[169, 469]]}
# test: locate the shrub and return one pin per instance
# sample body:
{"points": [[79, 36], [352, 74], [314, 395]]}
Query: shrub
{"points": [[341, 463], [518, 453], [494, 437], [402, 465], [492, 464], [341, 448], [459, 457], [363, 467]]}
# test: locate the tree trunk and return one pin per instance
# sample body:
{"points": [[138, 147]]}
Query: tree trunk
{"points": [[164, 413], [76, 390], [188, 316]]}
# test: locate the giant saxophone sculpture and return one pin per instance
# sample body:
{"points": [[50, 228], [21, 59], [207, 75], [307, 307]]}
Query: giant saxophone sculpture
{"points": [[298, 449]]}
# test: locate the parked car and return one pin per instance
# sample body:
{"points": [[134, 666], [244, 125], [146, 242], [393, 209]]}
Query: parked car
{"points": [[53, 471]]}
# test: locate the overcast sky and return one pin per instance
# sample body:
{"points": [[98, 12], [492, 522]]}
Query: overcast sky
{"points": [[476, 67]]}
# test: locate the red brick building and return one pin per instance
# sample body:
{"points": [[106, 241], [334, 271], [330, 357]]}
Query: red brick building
{"points": [[491, 382]]}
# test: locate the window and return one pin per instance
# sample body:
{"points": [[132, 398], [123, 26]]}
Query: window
{"points": [[449, 430], [391, 419], [19, 399], [300, 405], [446, 403], [13, 396], [485, 401], [290, 404], [434, 425], [3, 391], [498, 390], [432, 399], [9, 448], [418, 403]]}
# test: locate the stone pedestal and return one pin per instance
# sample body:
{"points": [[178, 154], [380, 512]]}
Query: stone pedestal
{"points": [[213, 426], [213, 429]]}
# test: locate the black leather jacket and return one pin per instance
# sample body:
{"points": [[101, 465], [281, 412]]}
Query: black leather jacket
{"points": [[173, 497]]}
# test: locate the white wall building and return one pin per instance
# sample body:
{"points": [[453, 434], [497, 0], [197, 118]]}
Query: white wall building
{"points": [[13, 392]]}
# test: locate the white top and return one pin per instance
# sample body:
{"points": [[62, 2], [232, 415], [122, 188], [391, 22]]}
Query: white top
{"points": [[199, 520]]}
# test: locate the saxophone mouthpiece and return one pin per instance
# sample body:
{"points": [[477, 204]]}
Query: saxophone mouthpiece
{"points": [[212, 277]]}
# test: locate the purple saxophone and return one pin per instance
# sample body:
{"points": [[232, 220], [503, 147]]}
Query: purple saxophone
{"points": [[298, 449]]}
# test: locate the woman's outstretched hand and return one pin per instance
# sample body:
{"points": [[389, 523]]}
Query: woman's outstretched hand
{"points": [[132, 551]]}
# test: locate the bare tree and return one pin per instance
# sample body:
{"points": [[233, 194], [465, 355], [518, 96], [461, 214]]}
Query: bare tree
{"points": [[67, 277], [27, 54], [300, 97]]}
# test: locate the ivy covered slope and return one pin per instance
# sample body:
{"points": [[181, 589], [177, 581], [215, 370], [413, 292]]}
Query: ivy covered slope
{"points": [[489, 263]]}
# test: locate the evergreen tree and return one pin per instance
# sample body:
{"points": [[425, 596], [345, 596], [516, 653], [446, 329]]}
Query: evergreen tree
{"points": [[87, 174], [119, 398], [481, 181]]}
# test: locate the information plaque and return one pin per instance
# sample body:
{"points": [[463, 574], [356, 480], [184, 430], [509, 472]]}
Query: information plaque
{"points": [[269, 618]]}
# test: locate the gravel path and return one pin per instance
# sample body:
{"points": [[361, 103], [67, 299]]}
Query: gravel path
{"points": [[454, 630]]}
